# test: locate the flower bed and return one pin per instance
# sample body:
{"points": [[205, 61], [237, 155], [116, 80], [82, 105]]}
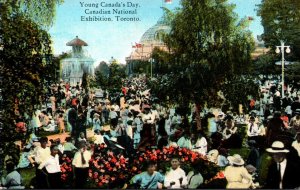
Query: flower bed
{"points": [[113, 171]]}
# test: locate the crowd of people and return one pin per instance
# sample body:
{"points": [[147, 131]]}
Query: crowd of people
{"points": [[134, 120]]}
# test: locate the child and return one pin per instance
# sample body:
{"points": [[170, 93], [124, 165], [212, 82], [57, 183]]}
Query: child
{"points": [[96, 122], [61, 123], [81, 137]]}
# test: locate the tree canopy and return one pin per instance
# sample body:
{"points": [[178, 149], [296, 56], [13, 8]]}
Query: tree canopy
{"points": [[209, 46], [25, 62], [281, 21]]}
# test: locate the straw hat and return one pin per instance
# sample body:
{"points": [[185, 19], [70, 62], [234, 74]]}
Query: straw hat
{"points": [[213, 155], [277, 147], [106, 128], [236, 159]]}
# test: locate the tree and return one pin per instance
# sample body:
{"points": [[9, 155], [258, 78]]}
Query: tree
{"points": [[293, 76], [112, 81], [25, 55], [208, 47], [116, 74], [281, 21], [103, 68], [40, 12]]}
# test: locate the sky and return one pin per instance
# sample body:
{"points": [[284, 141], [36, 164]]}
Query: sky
{"points": [[107, 39]]}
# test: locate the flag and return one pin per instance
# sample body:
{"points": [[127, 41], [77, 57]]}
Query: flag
{"points": [[250, 18], [168, 1], [138, 45]]}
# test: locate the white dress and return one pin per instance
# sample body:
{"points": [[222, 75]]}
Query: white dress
{"points": [[200, 146]]}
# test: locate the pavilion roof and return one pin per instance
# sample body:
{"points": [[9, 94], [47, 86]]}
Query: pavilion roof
{"points": [[77, 42]]}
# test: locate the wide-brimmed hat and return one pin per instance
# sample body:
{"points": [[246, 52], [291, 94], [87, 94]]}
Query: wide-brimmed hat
{"points": [[106, 128], [213, 155], [277, 147], [236, 159]]}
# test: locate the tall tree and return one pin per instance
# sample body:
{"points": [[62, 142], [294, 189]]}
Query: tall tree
{"points": [[209, 46], [281, 21], [25, 56], [42, 12]]}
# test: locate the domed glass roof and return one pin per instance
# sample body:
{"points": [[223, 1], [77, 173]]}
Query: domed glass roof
{"points": [[152, 35]]}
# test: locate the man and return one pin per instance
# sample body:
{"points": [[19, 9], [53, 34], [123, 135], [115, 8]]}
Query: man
{"points": [[253, 129], [52, 168], [295, 105], [281, 174], [40, 154], [113, 116], [72, 118], [148, 133], [150, 179], [175, 178], [81, 165]]}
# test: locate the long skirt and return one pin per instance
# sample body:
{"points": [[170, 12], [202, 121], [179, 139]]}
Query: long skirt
{"points": [[148, 137]]}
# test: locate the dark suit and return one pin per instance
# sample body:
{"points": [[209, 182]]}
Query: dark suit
{"points": [[290, 178]]}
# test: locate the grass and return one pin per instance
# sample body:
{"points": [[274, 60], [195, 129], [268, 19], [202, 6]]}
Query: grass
{"points": [[27, 174]]}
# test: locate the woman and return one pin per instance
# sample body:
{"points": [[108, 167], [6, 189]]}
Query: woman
{"points": [[199, 144], [236, 174], [35, 121]]}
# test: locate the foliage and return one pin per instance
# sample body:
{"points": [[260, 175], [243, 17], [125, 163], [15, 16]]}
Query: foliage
{"points": [[113, 81], [237, 90], [208, 46], [103, 68], [25, 56], [41, 12], [293, 76], [281, 21], [265, 65]]}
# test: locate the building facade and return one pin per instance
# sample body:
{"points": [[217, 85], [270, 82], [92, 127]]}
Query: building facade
{"points": [[75, 66]]}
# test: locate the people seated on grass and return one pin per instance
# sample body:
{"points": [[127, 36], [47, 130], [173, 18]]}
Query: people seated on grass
{"points": [[254, 154], [194, 177], [231, 138], [253, 130], [236, 174], [149, 179], [175, 178], [13, 179], [199, 143]]}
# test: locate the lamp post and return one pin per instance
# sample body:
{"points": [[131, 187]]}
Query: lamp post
{"points": [[281, 49], [151, 66]]}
